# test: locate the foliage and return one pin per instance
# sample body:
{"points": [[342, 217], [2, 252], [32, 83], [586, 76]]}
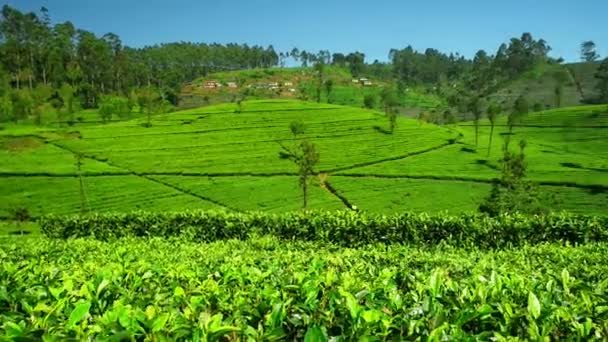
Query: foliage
{"points": [[513, 193], [602, 80], [518, 112], [345, 228], [304, 155], [369, 101], [114, 105], [268, 289], [588, 52], [296, 128]]}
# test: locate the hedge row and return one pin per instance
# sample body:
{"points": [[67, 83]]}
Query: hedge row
{"points": [[342, 227]]}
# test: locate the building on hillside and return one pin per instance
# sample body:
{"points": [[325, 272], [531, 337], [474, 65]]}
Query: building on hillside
{"points": [[212, 84], [288, 84], [232, 85], [355, 80]]}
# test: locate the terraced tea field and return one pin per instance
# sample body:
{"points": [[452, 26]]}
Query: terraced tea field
{"points": [[217, 157]]}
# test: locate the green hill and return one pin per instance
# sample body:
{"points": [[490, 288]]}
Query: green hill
{"points": [[538, 85], [215, 157], [295, 83]]}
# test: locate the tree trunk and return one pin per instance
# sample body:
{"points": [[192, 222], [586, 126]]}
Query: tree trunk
{"points": [[44, 75], [476, 132], [491, 134], [305, 191]]}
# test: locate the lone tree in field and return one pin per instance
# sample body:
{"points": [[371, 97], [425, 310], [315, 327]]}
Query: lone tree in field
{"points": [[588, 53], [297, 128], [369, 101], [513, 193], [520, 109], [149, 101], [304, 155], [493, 111], [83, 197], [389, 100], [560, 77], [602, 80], [329, 85], [476, 108], [320, 69]]}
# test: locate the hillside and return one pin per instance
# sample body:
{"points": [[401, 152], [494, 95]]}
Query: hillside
{"points": [[296, 83], [214, 157], [538, 85]]}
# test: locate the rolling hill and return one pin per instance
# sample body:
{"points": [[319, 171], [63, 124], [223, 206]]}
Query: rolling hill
{"points": [[216, 157], [538, 85], [295, 83]]}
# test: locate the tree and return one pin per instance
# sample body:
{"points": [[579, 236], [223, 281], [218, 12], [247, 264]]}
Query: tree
{"points": [[296, 128], [476, 108], [40, 95], [329, 84], [513, 193], [389, 99], [558, 92], [369, 101], [520, 109], [602, 80], [66, 92], [494, 110], [561, 76], [320, 69], [588, 52], [304, 155], [149, 101], [392, 120]]}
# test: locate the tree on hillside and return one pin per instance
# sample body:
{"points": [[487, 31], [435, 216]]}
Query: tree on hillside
{"points": [[329, 85], [513, 193], [520, 109], [558, 93], [356, 63], [602, 80], [389, 100], [67, 94], [320, 70], [588, 52], [476, 108], [560, 76], [40, 96], [296, 128], [304, 155], [149, 101], [369, 101], [494, 110], [392, 120]]}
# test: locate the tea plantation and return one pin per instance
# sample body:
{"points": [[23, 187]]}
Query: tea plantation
{"points": [[147, 264], [223, 157]]}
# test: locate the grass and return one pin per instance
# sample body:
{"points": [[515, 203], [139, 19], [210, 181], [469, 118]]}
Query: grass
{"points": [[218, 157]]}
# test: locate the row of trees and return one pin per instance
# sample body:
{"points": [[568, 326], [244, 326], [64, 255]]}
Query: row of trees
{"points": [[33, 51]]}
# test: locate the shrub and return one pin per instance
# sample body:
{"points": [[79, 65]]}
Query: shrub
{"points": [[369, 101], [345, 228]]}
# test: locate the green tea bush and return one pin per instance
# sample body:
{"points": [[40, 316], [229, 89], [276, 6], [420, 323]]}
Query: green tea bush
{"points": [[345, 228], [267, 289]]}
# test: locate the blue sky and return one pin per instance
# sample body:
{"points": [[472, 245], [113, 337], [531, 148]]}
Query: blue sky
{"points": [[373, 27]]}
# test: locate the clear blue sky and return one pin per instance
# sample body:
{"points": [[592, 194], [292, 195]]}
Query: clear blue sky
{"points": [[372, 27]]}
